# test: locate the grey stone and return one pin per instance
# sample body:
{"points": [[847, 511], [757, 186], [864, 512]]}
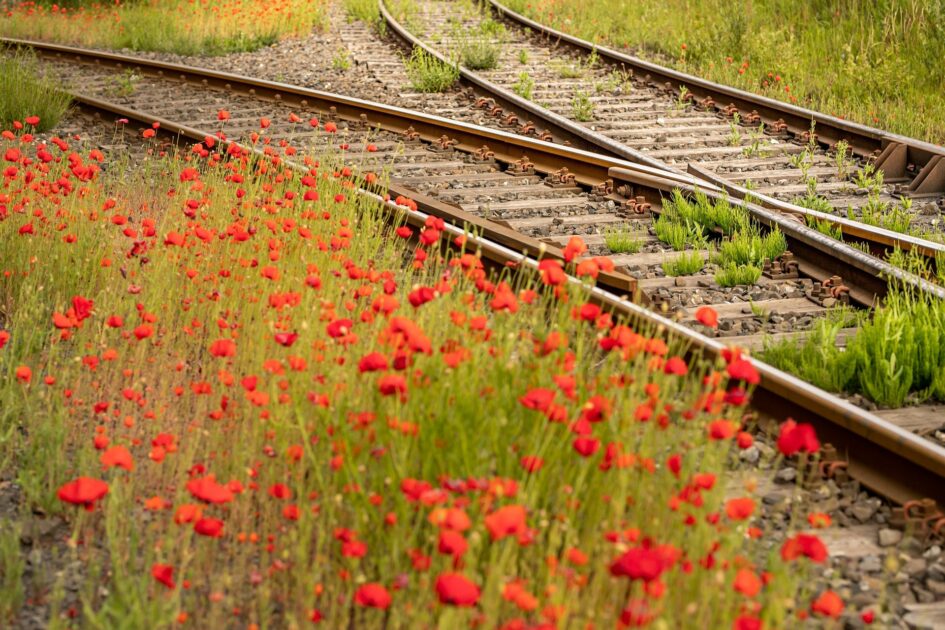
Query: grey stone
{"points": [[914, 566], [786, 475], [863, 511], [871, 564], [889, 537]]}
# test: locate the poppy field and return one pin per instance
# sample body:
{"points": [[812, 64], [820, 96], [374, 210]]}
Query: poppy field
{"points": [[179, 26], [257, 403]]}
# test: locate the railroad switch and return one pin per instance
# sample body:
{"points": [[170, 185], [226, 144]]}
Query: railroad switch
{"points": [[784, 267]]}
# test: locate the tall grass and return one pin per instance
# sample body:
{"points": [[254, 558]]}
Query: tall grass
{"points": [[25, 92], [177, 26], [429, 74], [895, 356], [877, 63]]}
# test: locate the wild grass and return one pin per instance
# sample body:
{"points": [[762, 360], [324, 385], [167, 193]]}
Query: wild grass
{"points": [[686, 264], [25, 93], [429, 74], [874, 63], [748, 247], [524, 85], [176, 26], [298, 415], [896, 356], [367, 11], [624, 241], [731, 275]]}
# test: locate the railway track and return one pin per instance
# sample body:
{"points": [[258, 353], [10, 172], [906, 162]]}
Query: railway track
{"points": [[787, 158], [534, 209]]}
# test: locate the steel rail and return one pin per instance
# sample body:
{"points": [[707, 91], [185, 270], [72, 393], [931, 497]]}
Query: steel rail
{"points": [[559, 125], [879, 240], [882, 456], [863, 139]]}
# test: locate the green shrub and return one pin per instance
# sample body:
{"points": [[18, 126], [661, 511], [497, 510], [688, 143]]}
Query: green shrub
{"points": [[732, 275], [686, 264]]}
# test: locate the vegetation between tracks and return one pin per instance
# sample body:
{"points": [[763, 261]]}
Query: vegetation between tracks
{"points": [[177, 26], [874, 63], [896, 355], [273, 414]]}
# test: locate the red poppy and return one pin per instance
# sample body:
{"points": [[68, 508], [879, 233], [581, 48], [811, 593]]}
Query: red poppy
{"points": [[207, 489], [83, 491], [743, 370], [804, 545], [828, 604], [639, 563], [372, 362], [739, 509], [286, 339], [372, 595], [452, 543], [163, 573], [508, 520], [223, 348], [707, 316], [747, 582], [210, 527], [456, 589], [795, 438], [117, 456]]}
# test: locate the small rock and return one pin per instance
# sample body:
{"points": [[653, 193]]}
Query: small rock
{"points": [[863, 511], [932, 552], [871, 564], [786, 475], [936, 586], [750, 455], [889, 537], [914, 566]]}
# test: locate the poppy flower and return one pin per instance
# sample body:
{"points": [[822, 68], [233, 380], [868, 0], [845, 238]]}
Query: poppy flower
{"points": [[207, 489], [23, 374], [210, 527], [794, 438], [372, 362], [804, 545], [747, 622], [372, 595], [585, 446], [117, 456], [538, 398], [639, 563], [223, 348], [574, 248], [452, 543], [828, 604], [707, 316], [392, 384], [4, 338], [675, 365], [739, 509], [747, 582], [339, 328], [456, 589], [742, 370], [286, 339], [163, 573], [83, 491], [508, 520]]}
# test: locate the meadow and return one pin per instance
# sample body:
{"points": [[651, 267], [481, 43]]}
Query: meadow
{"points": [[254, 402]]}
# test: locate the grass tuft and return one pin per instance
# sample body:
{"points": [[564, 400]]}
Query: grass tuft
{"points": [[429, 74], [24, 93]]}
